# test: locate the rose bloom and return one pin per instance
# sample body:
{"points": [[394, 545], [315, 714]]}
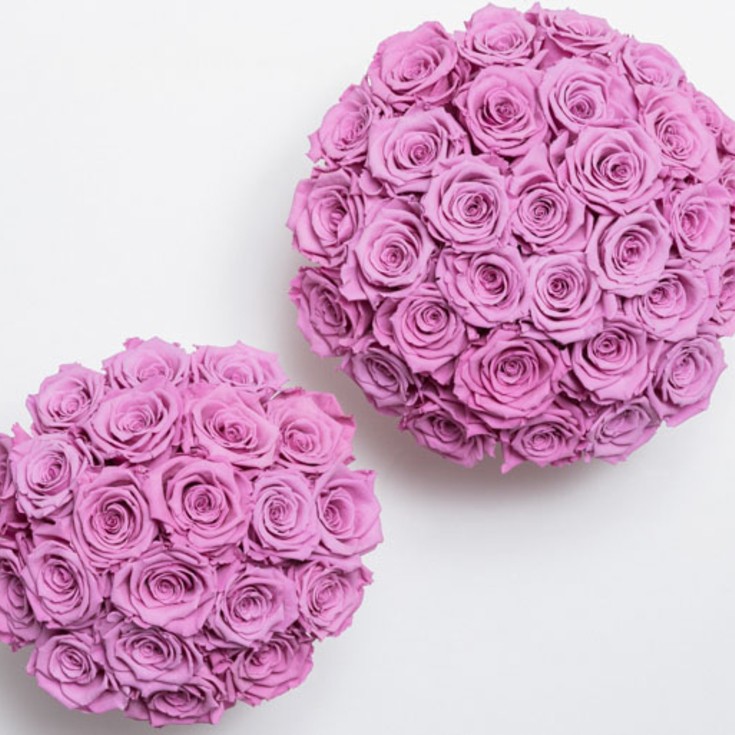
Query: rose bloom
{"points": [[6, 476], [622, 428], [327, 211], [330, 322], [508, 377], [648, 63], [685, 376], [144, 360], [403, 151], [570, 32], [18, 624], [66, 399], [416, 67], [722, 322]]}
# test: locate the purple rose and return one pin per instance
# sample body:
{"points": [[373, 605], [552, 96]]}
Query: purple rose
{"points": [[501, 110], [18, 624], [206, 505], [622, 428], [508, 378], [628, 254], [390, 257], [615, 364], [615, 169], [675, 307], [384, 377], [66, 399], [136, 424], [685, 376], [723, 318], [566, 301], [172, 589], [70, 667], [284, 524], [576, 34], [498, 36], [240, 366], [348, 512], [648, 63], [343, 136], [330, 322], [416, 67], [147, 660], [700, 224], [45, 472], [424, 330], [111, 519], [62, 590], [327, 212], [230, 424], [554, 437], [466, 204], [314, 433], [404, 150], [254, 604], [329, 594], [485, 288], [145, 360]]}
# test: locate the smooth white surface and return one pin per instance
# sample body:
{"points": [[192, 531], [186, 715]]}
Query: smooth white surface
{"points": [[148, 153]]}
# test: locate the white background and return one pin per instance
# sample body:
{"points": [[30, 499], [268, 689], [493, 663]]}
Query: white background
{"points": [[148, 153]]}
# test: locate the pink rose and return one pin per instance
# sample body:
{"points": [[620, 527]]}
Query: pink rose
{"points": [[622, 428], [684, 378], [61, 589], [144, 360], [498, 36], [466, 204], [404, 150], [614, 365], [576, 34], [329, 594], [18, 624], [615, 169], [6, 476], [172, 589], [500, 109], [111, 519], [314, 433], [136, 424], [485, 288], [674, 308], [348, 512], [700, 224], [45, 472], [425, 331], [554, 437], [254, 604], [390, 257], [240, 366], [284, 524], [628, 254], [648, 63], [708, 112], [418, 67], [384, 377], [230, 424], [330, 322], [723, 318], [206, 505], [566, 301], [343, 136], [327, 212], [69, 667], [147, 660], [508, 378], [66, 399]]}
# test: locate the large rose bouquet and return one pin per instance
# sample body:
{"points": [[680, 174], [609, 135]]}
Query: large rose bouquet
{"points": [[176, 532], [523, 237]]}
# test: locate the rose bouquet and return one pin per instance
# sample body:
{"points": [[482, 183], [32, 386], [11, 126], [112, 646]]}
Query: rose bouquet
{"points": [[176, 532], [523, 237]]}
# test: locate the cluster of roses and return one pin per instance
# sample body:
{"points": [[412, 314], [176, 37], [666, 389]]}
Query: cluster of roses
{"points": [[176, 532], [523, 235]]}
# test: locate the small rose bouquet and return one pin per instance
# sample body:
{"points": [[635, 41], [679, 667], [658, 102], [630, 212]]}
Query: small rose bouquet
{"points": [[176, 532], [523, 237]]}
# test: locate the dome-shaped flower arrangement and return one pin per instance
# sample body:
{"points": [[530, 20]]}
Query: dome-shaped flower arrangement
{"points": [[177, 531], [523, 238]]}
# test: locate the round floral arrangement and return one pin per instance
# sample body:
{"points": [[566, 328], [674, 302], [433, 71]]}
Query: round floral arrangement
{"points": [[178, 530], [523, 237]]}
